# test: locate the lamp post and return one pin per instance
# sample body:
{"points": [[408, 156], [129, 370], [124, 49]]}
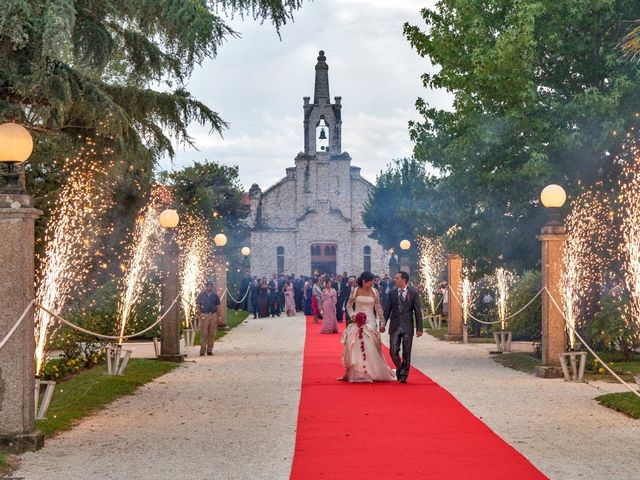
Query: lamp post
{"points": [[220, 240], [552, 237], [393, 262], [17, 365], [245, 251], [405, 245], [170, 324]]}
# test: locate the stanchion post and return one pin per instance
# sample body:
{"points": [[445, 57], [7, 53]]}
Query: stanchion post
{"points": [[552, 238], [454, 279], [17, 365]]}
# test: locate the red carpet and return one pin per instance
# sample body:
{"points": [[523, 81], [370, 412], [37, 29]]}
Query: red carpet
{"points": [[389, 430]]}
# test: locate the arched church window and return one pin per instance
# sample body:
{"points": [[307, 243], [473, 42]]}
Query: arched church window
{"points": [[367, 259], [327, 250], [280, 260], [322, 136]]}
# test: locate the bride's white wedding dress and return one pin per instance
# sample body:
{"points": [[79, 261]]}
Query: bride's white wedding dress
{"points": [[368, 364]]}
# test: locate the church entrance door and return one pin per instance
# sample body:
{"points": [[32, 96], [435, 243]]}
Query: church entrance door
{"points": [[323, 258]]}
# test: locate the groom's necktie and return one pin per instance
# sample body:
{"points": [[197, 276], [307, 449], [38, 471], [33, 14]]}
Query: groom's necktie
{"points": [[402, 292]]}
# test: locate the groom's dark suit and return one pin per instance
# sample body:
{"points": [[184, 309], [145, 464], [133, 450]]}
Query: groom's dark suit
{"points": [[401, 313]]}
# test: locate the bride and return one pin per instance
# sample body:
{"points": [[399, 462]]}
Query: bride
{"points": [[362, 350]]}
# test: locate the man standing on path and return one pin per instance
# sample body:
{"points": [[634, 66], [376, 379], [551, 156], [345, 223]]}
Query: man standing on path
{"points": [[208, 304], [403, 306]]}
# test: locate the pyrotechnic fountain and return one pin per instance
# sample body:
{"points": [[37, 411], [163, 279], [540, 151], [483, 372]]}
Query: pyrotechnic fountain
{"points": [[143, 251], [582, 261], [69, 240], [195, 261], [504, 281], [467, 292], [630, 199], [431, 264]]}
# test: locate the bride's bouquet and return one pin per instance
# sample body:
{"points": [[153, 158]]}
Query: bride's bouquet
{"points": [[361, 319]]}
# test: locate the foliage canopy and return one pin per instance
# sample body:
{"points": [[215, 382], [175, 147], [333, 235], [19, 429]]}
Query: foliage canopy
{"points": [[542, 93]]}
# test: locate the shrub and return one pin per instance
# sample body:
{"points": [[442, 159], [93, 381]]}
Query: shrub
{"points": [[609, 330], [527, 325]]}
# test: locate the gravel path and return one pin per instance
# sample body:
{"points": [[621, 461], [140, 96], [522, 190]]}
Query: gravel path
{"points": [[556, 425], [229, 416], [233, 415]]}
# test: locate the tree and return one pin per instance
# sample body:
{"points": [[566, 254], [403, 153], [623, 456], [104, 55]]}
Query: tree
{"points": [[398, 203], [213, 192], [76, 64], [112, 72], [541, 94]]}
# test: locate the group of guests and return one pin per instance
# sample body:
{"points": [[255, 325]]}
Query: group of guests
{"points": [[316, 296]]}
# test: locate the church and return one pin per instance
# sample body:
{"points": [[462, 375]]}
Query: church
{"points": [[311, 220]]}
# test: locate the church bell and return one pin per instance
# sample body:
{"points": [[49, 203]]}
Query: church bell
{"points": [[323, 136]]}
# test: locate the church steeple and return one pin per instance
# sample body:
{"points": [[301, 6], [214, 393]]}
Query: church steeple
{"points": [[322, 119], [321, 92]]}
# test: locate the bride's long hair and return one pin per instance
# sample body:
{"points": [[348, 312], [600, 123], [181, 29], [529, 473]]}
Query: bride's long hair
{"points": [[365, 277]]}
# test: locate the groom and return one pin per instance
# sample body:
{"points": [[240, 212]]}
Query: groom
{"points": [[402, 306]]}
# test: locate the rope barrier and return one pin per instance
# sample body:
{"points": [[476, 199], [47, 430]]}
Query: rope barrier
{"points": [[507, 318], [107, 337], [17, 324], [555, 303], [231, 296], [615, 375]]}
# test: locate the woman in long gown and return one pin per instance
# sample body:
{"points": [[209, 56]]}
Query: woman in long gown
{"points": [[263, 299], [329, 301], [289, 300], [362, 346]]}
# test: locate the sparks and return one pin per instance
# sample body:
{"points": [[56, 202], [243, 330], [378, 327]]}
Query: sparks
{"points": [[69, 240], [431, 265], [143, 251], [195, 262], [504, 281]]}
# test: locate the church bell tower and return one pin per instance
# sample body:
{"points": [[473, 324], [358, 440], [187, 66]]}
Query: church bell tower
{"points": [[322, 119]]}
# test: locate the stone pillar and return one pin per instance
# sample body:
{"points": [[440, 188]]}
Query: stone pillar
{"points": [[553, 325], [405, 263], [170, 324], [17, 365], [221, 283], [454, 279]]}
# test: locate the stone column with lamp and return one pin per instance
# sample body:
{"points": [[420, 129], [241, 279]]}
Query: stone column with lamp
{"points": [[246, 267], [405, 265], [17, 365], [454, 279], [552, 238], [220, 240], [170, 324]]}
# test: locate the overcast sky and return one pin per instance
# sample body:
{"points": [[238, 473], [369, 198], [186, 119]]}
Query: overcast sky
{"points": [[257, 83]]}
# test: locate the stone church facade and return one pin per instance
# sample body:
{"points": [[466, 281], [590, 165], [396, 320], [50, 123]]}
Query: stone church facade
{"points": [[311, 220]]}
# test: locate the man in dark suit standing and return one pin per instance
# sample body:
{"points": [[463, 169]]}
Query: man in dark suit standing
{"points": [[402, 307], [337, 286], [348, 284]]}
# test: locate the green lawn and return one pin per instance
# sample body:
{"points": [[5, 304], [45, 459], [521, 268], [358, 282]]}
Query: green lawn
{"points": [[615, 360], [4, 463], [91, 390], [522, 362], [626, 403]]}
